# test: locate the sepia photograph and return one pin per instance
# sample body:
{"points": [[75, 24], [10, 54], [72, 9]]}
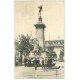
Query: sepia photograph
{"points": [[39, 39]]}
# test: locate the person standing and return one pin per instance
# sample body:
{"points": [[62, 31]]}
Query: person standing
{"points": [[43, 64], [25, 62], [35, 63]]}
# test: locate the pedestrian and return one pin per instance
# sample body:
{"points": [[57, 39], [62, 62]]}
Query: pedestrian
{"points": [[25, 62], [35, 64], [43, 64]]}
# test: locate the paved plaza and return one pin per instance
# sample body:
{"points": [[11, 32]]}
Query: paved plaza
{"points": [[22, 72]]}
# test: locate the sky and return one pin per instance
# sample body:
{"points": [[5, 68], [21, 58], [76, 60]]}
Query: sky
{"points": [[26, 15]]}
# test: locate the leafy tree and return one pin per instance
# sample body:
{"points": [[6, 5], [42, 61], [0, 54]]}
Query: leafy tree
{"points": [[23, 45], [50, 53], [61, 56]]}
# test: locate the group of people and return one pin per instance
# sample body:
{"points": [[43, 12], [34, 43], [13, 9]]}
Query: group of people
{"points": [[36, 63]]}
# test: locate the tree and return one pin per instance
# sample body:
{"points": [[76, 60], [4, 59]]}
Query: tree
{"points": [[23, 45], [61, 56]]}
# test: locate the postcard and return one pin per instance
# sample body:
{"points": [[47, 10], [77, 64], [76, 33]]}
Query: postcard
{"points": [[39, 39]]}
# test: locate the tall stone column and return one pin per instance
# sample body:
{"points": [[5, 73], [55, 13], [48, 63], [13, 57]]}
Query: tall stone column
{"points": [[40, 28]]}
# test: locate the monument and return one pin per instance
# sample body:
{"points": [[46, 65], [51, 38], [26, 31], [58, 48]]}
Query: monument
{"points": [[40, 27]]}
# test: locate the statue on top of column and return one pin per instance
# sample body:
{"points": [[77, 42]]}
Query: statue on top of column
{"points": [[40, 10]]}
